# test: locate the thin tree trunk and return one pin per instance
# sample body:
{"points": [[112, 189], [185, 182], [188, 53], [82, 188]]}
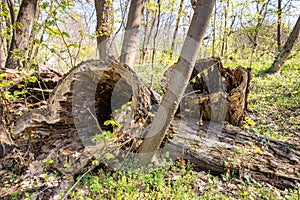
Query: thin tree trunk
{"points": [[20, 40], [261, 13], [279, 10], [154, 41], [286, 50], [144, 47], [10, 22], [132, 31], [178, 82], [214, 31], [2, 52], [105, 25], [224, 39], [150, 33], [176, 28]]}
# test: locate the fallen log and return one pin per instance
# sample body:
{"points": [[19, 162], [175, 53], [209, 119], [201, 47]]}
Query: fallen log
{"points": [[222, 149], [86, 97], [78, 107]]}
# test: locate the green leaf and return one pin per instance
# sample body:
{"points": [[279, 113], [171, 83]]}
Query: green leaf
{"points": [[45, 5], [7, 95], [109, 156], [258, 150], [6, 84], [16, 50], [96, 162], [226, 164], [32, 79], [21, 86], [250, 121], [73, 45], [65, 34], [67, 165], [3, 75]]}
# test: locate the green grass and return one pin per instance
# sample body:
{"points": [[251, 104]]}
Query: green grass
{"points": [[166, 182], [173, 182], [274, 102]]}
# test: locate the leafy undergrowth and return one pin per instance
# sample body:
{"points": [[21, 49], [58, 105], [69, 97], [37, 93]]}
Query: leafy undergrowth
{"points": [[274, 113], [172, 182], [169, 182], [274, 103]]}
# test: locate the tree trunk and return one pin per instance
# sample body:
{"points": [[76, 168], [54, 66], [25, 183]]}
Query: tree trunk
{"points": [[225, 31], [279, 13], [287, 48], [148, 38], [261, 13], [105, 27], [17, 54], [144, 45], [130, 42], [2, 53], [214, 31], [176, 28], [178, 81]]}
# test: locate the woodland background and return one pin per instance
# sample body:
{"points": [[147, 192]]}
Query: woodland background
{"points": [[45, 40]]}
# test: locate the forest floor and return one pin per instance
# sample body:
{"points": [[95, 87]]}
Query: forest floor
{"points": [[274, 105]]}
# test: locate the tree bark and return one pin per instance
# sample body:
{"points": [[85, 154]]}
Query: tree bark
{"points": [[105, 27], [178, 81], [2, 53], [279, 13], [214, 31], [132, 31], [286, 50], [20, 40], [225, 29]]}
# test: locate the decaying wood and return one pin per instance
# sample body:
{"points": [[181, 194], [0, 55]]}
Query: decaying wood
{"points": [[5, 137], [11, 108], [216, 93], [223, 149], [90, 92], [65, 125]]}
